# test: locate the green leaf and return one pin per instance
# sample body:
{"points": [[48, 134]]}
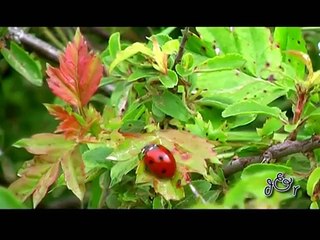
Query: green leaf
{"points": [[315, 113], [313, 181], [201, 186], [257, 168], [74, 171], [170, 47], [168, 188], [223, 62], [269, 127], [44, 143], [231, 86], [96, 157], [199, 48], [182, 71], [158, 114], [3, 31], [133, 126], [129, 52], [122, 168], [8, 200], [158, 203], [171, 105], [167, 31], [169, 80], [250, 107], [130, 147], [252, 187], [222, 37], [114, 44], [291, 38], [21, 61], [141, 73], [187, 61], [314, 205], [256, 46]]}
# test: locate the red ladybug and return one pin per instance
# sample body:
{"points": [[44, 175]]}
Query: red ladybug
{"points": [[159, 160]]}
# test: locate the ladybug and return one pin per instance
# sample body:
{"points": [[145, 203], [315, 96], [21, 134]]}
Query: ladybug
{"points": [[159, 160]]}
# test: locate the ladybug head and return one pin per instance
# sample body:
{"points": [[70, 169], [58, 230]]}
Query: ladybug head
{"points": [[147, 148]]}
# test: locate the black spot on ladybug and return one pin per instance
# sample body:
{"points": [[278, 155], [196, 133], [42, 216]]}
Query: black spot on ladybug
{"points": [[161, 158], [163, 171], [267, 64], [299, 42], [151, 162]]}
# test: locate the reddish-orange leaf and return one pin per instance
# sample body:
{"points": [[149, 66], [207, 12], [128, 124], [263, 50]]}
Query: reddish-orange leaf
{"points": [[79, 73], [68, 125]]}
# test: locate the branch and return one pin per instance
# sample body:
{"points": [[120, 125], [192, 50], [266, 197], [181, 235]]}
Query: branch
{"points": [[181, 48], [35, 43], [274, 152]]}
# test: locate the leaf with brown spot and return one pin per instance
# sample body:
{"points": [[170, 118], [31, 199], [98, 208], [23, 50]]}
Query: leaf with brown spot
{"points": [[189, 150], [74, 171]]}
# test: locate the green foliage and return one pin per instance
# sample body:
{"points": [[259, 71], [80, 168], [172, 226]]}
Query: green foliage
{"points": [[233, 93]]}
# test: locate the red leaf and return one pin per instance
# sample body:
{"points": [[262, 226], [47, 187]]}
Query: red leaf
{"points": [[68, 125], [79, 74], [76, 128]]}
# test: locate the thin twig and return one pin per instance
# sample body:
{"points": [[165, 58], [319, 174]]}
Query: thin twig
{"points": [[38, 45], [274, 152], [182, 46]]}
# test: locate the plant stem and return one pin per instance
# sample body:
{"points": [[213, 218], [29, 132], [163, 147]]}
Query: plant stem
{"points": [[276, 152], [182, 46]]}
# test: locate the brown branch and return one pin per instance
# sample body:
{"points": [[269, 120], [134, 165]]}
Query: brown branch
{"points": [[274, 152], [38, 45], [182, 46]]}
